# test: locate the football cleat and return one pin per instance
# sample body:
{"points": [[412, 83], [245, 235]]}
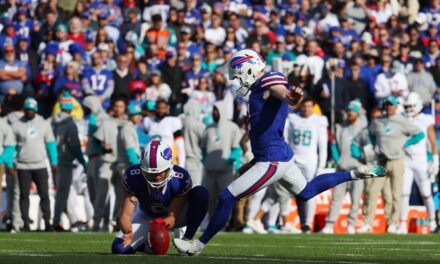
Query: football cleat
{"points": [[257, 226], [188, 247], [403, 229], [392, 229], [327, 230], [273, 229], [366, 228], [351, 230], [289, 228], [247, 230], [432, 225], [369, 171]]}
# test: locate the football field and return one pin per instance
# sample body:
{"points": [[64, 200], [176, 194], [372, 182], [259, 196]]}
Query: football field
{"points": [[38, 248]]}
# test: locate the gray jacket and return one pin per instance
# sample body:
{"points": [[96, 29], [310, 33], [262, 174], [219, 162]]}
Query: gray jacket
{"points": [[390, 135], [93, 103], [107, 133], [6, 135], [218, 141], [127, 138], [345, 134], [193, 130], [423, 84], [32, 136]]}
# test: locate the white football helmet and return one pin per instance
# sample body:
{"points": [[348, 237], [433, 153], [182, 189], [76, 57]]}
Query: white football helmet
{"points": [[245, 65], [413, 104], [158, 157]]}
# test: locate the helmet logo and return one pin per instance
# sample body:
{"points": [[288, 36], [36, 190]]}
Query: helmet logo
{"points": [[238, 61], [167, 154]]}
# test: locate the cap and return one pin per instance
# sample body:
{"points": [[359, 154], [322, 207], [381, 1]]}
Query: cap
{"points": [[85, 15], [355, 106], [134, 109], [150, 105], [51, 49], [392, 100], [281, 39], [186, 30], [103, 47], [66, 102], [22, 38], [437, 97], [155, 72], [170, 53], [206, 9], [75, 48], [62, 27], [103, 15], [30, 104]]}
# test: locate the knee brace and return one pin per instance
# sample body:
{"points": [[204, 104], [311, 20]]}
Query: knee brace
{"points": [[118, 247]]}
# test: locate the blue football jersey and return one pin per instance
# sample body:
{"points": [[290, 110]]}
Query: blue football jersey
{"points": [[155, 201], [267, 118], [99, 80]]}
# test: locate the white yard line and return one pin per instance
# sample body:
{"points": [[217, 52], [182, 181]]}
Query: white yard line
{"points": [[286, 260]]}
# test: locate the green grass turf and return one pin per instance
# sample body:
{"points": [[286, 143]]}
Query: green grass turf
{"points": [[38, 248]]}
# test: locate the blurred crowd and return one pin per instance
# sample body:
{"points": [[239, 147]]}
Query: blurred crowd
{"points": [[84, 85]]}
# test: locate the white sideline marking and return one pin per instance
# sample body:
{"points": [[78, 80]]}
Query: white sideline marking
{"points": [[287, 260]]}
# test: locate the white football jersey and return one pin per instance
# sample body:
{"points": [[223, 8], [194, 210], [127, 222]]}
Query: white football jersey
{"points": [[308, 138], [164, 129], [423, 121]]}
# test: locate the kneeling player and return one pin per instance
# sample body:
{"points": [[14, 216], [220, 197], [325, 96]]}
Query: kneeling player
{"points": [[163, 190]]}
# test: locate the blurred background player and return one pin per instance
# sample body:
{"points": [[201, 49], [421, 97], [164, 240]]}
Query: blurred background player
{"points": [[35, 143], [193, 130], [417, 166], [153, 189], [109, 176], [391, 135], [69, 148], [341, 153], [307, 136]]}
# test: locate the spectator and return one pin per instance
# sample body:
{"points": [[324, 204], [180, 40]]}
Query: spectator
{"points": [[323, 91], [159, 35], [216, 34], [69, 81], [389, 82], [259, 35], [358, 12], [172, 75], [280, 52], [128, 141], [422, 82], [35, 143], [98, 81], [12, 72], [194, 74], [122, 79], [158, 90], [432, 53], [435, 72], [205, 97], [76, 32], [357, 88]]}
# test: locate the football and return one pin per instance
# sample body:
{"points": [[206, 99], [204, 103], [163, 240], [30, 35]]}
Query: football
{"points": [[158, 237]]}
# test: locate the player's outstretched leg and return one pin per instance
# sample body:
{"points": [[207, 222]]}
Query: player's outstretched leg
{"points": [[330, 180], [226, 202], [198, 199]]}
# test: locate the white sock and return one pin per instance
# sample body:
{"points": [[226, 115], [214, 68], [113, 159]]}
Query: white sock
{"points": [[404, 208], [429, 203]]}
